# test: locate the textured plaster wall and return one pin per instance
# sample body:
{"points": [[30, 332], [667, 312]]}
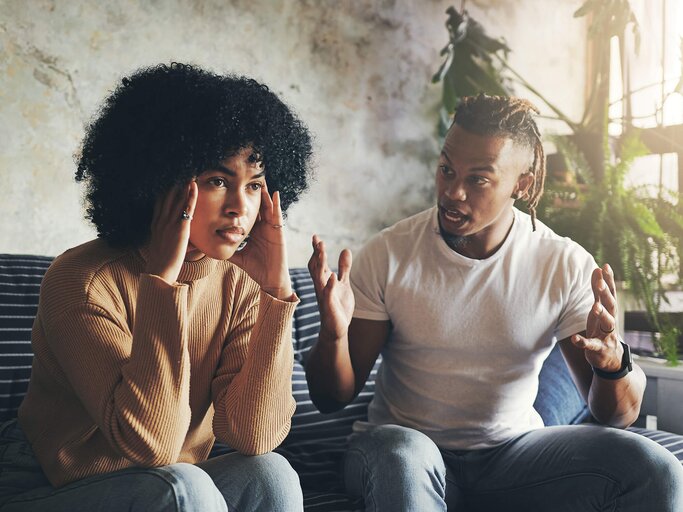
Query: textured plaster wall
{"points": [[357, 72]]}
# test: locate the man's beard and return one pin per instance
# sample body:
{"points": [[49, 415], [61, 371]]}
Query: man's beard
{"points": [[455, 242]]}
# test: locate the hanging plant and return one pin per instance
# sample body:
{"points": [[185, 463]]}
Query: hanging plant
{"points": [[470, 65]]}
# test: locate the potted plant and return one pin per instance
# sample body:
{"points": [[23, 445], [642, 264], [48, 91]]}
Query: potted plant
{"points": [[636, 231]]}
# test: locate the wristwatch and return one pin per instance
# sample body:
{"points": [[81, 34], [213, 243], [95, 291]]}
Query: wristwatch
{"points": [[626, 366]]}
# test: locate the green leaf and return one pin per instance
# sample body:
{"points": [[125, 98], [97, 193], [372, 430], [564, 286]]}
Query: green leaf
{"points": [[644, 219], [445, 66], [469, 67]]}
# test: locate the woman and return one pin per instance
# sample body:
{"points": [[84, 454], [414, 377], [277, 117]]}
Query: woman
{"points": [[172, 328]]}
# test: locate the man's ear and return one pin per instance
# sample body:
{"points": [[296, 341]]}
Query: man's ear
{"points": [[524, 183]]}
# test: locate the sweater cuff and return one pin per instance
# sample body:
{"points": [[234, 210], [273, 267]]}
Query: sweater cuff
{"points": [[286, 306]]}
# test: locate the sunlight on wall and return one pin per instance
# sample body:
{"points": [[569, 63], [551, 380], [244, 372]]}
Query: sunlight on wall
{"points": [[357, 73]]}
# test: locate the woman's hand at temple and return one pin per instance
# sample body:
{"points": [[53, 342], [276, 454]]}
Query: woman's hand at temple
{"points": [[264, 257]]}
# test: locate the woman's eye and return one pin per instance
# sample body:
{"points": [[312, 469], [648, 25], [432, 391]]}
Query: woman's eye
{"points": [[445, 170], [218, 182]]}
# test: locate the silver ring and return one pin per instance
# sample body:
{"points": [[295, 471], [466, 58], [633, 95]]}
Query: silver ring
{"points": [[276, 226], [604, 331], [185, 215]]}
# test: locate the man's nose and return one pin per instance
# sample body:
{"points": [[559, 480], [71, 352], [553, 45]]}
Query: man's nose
{"points": [[456, 190]]}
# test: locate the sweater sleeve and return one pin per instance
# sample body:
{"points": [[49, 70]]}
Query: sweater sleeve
{"points": [[135, 385], [252, 390]]}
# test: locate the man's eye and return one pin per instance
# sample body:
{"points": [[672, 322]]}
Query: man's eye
{"points": [[445, 170], [478, 180], [257, 185]]}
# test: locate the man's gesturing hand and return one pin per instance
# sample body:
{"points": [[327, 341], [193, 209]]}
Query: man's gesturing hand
{"points": [[333, 292], [601, 344]]}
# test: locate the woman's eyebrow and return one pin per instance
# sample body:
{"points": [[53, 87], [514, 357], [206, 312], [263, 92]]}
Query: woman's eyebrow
{"points": [[233, 174]]}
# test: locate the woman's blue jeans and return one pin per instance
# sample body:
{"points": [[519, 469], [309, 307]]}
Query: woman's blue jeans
{"points": [[560, 469], [231, 482]]}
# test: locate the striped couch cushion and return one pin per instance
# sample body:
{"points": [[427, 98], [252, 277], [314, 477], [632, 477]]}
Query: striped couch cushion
{"points": [[672, 442], [20, 277], [317, 441]]}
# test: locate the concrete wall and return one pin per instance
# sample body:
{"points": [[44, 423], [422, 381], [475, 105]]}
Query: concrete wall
{"points": [[357, 72]]}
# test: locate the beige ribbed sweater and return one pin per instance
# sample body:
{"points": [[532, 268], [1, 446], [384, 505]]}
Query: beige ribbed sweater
{"points": [[131, 371]]}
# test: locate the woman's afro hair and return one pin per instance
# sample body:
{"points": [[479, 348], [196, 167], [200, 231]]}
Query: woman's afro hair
{"points": [[166, 124]]}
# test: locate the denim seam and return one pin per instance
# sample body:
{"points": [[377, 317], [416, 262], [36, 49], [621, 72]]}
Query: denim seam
{"points": [[368, 480]]}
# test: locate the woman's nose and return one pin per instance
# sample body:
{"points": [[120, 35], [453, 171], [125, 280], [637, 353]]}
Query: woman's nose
{"points": [[235, 204]]}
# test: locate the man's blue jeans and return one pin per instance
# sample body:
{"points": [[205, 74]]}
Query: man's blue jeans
{"points": [[230, 482], [565, 468]]}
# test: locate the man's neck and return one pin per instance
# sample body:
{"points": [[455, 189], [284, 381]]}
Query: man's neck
{"points": [[478, 246]]}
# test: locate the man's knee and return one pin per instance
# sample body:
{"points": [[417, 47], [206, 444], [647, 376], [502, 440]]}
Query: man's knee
{"points": [[657, 468], [395, 468], [652, 469], [399, 448], [401, 444]]}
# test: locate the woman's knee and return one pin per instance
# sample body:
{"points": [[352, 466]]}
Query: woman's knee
{"points": [[183, 487], [274, 481]]}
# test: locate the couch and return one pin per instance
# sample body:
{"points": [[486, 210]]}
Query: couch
{"points": [[317, 441]]}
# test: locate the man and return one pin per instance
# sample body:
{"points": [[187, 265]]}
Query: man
{"points": [[465, 302]]}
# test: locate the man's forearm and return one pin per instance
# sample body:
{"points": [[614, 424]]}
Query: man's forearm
{"points": [[330, 375], [617, 402]]}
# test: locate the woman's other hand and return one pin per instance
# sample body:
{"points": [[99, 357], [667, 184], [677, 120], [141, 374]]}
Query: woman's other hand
{"points": [[264, 257]]}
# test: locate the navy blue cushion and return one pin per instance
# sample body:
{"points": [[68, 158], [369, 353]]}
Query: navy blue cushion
{"points": [[558, 401], [20, 277]]}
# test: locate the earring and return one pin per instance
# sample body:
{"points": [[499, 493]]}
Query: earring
{"points": [[243, 243]]}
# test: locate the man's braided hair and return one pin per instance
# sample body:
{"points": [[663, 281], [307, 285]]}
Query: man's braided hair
{"points": [[509, 117]]}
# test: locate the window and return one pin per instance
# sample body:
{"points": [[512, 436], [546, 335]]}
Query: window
{"points": [[646, 91]]}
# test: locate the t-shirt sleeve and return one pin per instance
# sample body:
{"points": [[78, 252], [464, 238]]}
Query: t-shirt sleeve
{"points": [[580, 295], [369, 278]]}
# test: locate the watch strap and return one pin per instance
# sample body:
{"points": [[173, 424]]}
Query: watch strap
{"points": [[626, 366]]}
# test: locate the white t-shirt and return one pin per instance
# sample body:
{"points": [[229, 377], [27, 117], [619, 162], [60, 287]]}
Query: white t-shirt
{"points": [[468, 336]]}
